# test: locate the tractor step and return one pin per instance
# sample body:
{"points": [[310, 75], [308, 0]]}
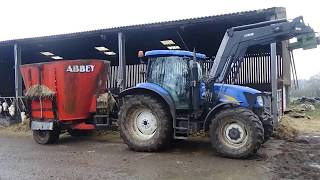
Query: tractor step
{"points": [[182, 118], [185, 127], [180, 137], [181, 128], [181, 133]]}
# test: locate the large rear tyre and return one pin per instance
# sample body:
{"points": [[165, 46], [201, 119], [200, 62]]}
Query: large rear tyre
{"points": [[145, 123], [45, 137], [236, 133]]}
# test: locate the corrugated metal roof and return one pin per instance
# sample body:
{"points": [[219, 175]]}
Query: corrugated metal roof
{"points": [[267, 11]]}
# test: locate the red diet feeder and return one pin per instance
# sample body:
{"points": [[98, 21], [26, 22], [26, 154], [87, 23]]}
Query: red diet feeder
{"points": [[62, 95]]}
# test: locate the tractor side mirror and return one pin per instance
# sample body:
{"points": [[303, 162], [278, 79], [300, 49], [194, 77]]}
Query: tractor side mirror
{"points": [[194, 73], [195, 90]]}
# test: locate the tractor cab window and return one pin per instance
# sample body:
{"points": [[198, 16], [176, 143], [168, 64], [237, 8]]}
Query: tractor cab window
{"points": [[172, 73]]}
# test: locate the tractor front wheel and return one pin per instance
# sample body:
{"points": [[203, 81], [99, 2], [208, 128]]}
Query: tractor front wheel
{"points": [[145, 123], [236, 133]]}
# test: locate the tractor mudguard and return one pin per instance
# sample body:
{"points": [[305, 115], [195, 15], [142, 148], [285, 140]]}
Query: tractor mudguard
{"points": [[153, 90], [214, 110]]}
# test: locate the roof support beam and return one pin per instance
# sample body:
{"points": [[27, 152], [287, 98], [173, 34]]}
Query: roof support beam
{"points": [[286, 59], [17, 73], [122, 62]]}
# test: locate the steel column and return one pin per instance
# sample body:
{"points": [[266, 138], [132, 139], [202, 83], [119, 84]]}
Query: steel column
{"points": [[287, 99], [274, 81], [17, 73], [122, 62]]}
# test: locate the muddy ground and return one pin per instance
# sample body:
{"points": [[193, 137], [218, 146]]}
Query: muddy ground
{"points": [[297, 160], [299, 149], [109, 158], [294, 153]]}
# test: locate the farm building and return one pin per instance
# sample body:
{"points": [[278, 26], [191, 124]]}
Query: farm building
{"points": [[121, 44]]}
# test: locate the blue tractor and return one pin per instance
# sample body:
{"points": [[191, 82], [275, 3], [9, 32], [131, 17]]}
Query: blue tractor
{"points": [[177, 99]]}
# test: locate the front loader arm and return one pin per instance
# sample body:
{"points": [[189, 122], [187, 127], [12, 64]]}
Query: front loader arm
{"points": [[238, 39]]}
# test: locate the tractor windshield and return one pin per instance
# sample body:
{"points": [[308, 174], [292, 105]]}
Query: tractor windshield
{"points": [[172, 73]]}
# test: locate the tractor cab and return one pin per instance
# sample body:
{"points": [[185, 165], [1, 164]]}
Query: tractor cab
{"points": [[177, 72]]}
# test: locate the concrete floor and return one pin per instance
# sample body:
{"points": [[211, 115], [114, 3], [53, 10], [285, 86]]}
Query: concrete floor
{"points": [[108, 158]]}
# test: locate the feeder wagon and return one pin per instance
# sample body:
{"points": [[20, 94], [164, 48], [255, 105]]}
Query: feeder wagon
{"points": [[66, 96]]}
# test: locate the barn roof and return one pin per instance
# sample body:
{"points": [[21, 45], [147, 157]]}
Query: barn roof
{"points": [[238, 16]]}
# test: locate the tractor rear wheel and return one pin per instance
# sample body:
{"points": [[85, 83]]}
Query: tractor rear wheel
{"points": [[236, 133], [145, 123], [45, 137]]}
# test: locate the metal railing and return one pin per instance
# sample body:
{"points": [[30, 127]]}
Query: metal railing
{"points": [[11, 107]]}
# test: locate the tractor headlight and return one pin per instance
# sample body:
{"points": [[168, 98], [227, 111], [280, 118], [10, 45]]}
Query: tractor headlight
{"points": [[259, 100]]}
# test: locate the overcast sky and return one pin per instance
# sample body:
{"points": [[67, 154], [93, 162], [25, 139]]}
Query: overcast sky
{"points": [[21, 18]]}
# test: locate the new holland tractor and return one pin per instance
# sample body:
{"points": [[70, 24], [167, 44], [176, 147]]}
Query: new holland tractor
{"points": [[177, 100]]}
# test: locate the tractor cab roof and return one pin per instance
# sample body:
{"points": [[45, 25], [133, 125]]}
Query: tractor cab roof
{"points": [[180, 53]]}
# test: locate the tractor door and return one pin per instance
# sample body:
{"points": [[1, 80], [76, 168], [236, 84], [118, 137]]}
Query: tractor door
{"points": [[173, 74]]}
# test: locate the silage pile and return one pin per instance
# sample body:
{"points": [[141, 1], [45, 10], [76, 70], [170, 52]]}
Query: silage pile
{"points": [[297, 121], [285, 130], [20, 128]]}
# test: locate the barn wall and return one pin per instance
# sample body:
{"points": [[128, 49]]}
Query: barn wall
{"points": [[255, 72]]}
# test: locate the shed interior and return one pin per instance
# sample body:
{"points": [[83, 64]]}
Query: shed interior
{"points": [[202, 34]]}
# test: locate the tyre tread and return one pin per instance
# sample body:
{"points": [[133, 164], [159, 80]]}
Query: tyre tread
{"points": [[253, 121], [166, 124]]}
